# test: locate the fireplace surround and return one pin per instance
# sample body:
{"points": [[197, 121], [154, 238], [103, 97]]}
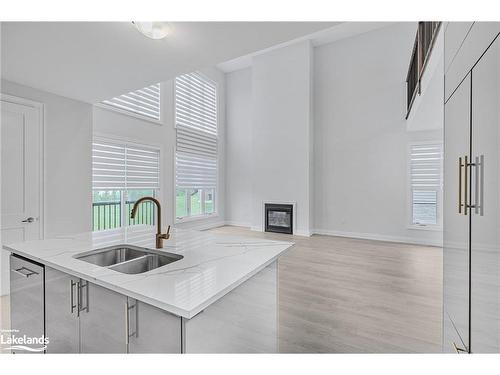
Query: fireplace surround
{"points": [[278, 218]]}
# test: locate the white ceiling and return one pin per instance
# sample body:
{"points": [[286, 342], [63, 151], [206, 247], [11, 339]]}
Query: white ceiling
{"points": [[92, 61], [341, 30]]}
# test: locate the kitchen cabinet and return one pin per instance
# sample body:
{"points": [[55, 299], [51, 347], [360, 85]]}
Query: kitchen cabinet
{"points": [[102, 320], [472, 202], [152, 330], [62, 323], [485, 198], [83, 317]]}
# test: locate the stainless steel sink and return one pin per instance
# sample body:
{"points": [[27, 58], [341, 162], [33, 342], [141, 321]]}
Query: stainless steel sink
{"points": [[129, 259]]}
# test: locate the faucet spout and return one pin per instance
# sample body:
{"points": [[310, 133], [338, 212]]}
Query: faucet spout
{"points": [[159, 236]]}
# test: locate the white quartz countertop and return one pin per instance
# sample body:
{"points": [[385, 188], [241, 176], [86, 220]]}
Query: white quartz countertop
{"points": [[213, 264]]}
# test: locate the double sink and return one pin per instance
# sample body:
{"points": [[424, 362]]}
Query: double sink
{"points": [[129, 259]]}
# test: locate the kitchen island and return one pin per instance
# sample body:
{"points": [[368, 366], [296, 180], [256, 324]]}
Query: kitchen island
{"points": [[219, 295]]}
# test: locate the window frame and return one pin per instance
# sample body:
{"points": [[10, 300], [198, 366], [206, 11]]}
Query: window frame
{"points": [[123, 192], [215, 213], [439, 199], [137, 115]]}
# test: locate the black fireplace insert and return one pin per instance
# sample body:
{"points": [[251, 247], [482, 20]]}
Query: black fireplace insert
{"points": [[279, 218]]}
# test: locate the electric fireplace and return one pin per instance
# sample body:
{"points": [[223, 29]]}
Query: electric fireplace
{"points": [[278, 218]]}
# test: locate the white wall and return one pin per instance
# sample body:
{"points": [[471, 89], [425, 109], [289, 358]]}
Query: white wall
{"points": [[67, 180], [361, 140], [281, 131], [119, 126], [239, 161]]}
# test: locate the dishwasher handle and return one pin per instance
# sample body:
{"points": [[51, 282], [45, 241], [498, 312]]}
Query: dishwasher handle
{"points": [[24, 272]]}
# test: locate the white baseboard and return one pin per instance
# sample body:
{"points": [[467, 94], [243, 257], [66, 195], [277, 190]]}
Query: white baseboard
{"points": [[379, 237], [201, 225], [296, 233], [358, 235], [238, 224]]}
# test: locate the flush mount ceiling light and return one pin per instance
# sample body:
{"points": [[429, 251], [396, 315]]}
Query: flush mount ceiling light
{"points": [[153, 30]]}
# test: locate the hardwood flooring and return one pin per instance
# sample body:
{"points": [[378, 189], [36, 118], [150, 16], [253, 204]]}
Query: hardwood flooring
{"points": [[342, 295]]}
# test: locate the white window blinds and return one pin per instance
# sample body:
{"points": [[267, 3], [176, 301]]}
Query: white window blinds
{"points": [[143, 102], [120, 166], [426, 181], [196, 127]]}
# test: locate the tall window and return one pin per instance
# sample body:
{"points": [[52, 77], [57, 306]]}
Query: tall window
{"points": [[426, 169], [196, 145], [143, 103], [121, 174]]}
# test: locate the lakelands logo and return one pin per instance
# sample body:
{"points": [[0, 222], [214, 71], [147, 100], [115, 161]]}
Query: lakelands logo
{"points": [[12, 340]]}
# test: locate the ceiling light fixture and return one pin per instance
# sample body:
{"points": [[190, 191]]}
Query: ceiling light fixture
{"points": [[153, 30]]}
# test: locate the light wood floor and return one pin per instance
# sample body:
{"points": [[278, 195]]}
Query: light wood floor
{"points": [[357, 296]]}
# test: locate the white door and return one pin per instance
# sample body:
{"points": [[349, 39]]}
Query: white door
{"points": [[20, 178]]}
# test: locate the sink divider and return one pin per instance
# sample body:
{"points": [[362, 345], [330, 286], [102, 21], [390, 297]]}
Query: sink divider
{"points": [[129, 261]]}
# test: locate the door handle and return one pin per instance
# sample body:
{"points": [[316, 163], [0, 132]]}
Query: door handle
{"points": [[83, 284], [28, 220], [72, 296], [129, 307]]}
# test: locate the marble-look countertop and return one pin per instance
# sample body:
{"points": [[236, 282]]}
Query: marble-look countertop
{"points": [[212, 266]]}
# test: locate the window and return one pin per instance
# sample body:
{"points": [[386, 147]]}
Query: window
{"points": [[196, 145], [426, 183], [144, 103], [121, 174]]}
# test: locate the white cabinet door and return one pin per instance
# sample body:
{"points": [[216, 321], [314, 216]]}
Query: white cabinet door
{"points": [[485, 219], [455, 223], [20, 178]]}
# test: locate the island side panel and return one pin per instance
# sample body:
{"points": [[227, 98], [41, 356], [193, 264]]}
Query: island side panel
{"points": [[243, 321]]}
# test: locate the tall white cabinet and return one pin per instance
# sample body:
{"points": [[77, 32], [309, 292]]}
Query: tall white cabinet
{"points": [[471, 314]]}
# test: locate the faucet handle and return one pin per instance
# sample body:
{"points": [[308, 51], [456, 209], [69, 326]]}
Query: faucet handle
{"points": [[167, 235]]}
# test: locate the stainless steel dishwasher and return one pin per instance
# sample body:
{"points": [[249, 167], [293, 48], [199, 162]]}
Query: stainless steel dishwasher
{"points": [[27, 304]]}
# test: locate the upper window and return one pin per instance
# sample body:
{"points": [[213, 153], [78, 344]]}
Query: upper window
{"points": [[142, 103], [196, 145], [121, 174], [426, 170]]}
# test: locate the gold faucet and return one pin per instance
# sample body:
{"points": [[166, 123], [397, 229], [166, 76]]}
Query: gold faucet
{"points": [[159, 236]]}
